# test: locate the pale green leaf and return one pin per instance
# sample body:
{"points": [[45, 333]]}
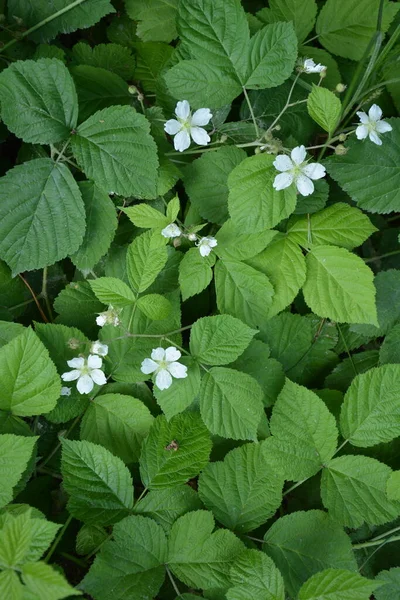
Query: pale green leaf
{"points": [[254, 575], [234, 245], [10, 585], [195, 272], [146, 257], [154, 306], [15, 539], [391, 584], [15, 452], [324, 107], [156, 19], [166, 506], [143, 215], [43, 533], [182, 393], [337, 584], [45, 582], [110, 290]]}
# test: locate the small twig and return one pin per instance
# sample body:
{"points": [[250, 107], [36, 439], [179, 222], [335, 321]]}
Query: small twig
{"points": [[45, 319]]}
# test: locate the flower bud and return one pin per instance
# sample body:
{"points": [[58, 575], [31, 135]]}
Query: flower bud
{"points": [[192, 237], [340, 87], [223, 138], [340, 150], [132, 89], [73, 343], [342, 137], [176, 242]]}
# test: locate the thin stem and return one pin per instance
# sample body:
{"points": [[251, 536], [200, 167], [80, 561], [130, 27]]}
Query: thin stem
{"points": [[287, 105], [255, 539], [145, 335], [376, 542], [251, 113], [45, 319], [315, 37], [22, 304], [58, 445], [347, 349], [141, 495], [296, 485], [61, 152], [173, 583], [58, 539], [78, 561], [341, 446], [45, 295], [60, 12], [375, 258], [383, 535]]}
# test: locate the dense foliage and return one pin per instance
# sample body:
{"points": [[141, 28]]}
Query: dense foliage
{"points": [[200, 299]]}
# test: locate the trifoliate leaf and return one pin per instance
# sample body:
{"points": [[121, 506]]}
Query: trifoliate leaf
{"points": [[146, 257], [391, 584], [303, 543], [339, 286], [15, 452], [337, 584], [199, 557], [353, 489], [115, 149], [38, 100], [393, 486], [219, 340], [302, 13], [110, 290], [154, 306], [166, 506], [243, 491], [324, 107], [182, 393], [253, 203], [42, 215], [156, 19], [231, 403], [44, 582], [98, 483], [119, 423], [254, 575], [143, 546], [30, 383], [371, 409], [174, 451], [195, 272]]}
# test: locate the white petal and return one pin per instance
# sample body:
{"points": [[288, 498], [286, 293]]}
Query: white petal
{"points": [[172, 354], [363, 117], [304, 185], [182, 109], [76, 363], [177, 370], [314, 171], [202, 116], [171, 231], [149, 366], [71, 375], [182, 141], [200, 136], [282, 181], [375, 112], [98, 348], [101, 320], [158, 354], [65, 391], [85, 384], [383, 127], [283, 163], [362, 132], [308, 65], [298, 154], [98, 377], [212, 242], [204, 249], [94, 361], [163, 379], [374, 137], [172, 126]]}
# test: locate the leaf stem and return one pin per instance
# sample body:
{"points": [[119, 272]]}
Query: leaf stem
{"points": [[44, 294], [253, 118], [375, 258], [173, 582], [58, 445], [376, 542], [287, 105], [35, 298], [347, 349], [296, 485], [57, 540]]}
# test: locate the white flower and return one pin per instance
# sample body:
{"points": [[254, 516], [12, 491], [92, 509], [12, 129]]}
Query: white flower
{"points": [[171, 231], [87, 371], [309, 66], [206, 244], [297, 170], [187, 126], [109, 317], [372, 125], [65, 391], [192, 237], [98, 348], [163, 364]]}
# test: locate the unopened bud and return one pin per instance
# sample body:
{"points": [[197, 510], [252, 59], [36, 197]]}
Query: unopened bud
{"points": [[340, 87], [277, 128], [176, 242], [223, 138], [323, 74], [132, 89], [342, 137], [257, 150], [192, 237], [340, 150], [73, 343]]}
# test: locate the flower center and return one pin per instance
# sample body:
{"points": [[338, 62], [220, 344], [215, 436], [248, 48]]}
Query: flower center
{"points": [[163, 364]]}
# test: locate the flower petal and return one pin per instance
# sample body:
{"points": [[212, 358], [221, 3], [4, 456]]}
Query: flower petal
{"points": [[383, 127], [98, 377], [158, 354], [101, 320], [200, 136], [182, 141], [148, 366], [177, 370], [374, 137], [98, 348], [71, 375], [282, 181], [65, 391], [76, 363], [283, 163], [94, 361], [363, 117], [171, 231], [172, 126], [202, 116], [172, 354], [304, 185], [362, 132], [85, 384], [298, 154], [375, 112], [163, 379], [314, 171], [182, 109]]}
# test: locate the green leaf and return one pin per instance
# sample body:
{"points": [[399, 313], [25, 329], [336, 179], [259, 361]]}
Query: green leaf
{"points": [[301, 12], [110, 290], [390, 349], [303, 543], [131, 566], [353, 489], [119, 423], [289, 336], [337, 584], [115, 149], [113, 57], [368, 173], [231, 403], [254, 204], [78, 307], [12, 293], [332, 73], [98, 483], [206, 182], [233, 245], [143, 215], [182, 393], [101, 223], [371, 409], [339, 286], [89, 538], [195, 272], [15, 452], [339, 224], [254, 575], [43, 532], [345, 27], [146, 257], [344, 373], [42, 216], [272, 55], [166, 506], [10, 585], [243, 292], [151, 58], [38, 100], [45, 583], [324, 107], [15, 539], [174, 451], [173, 208], [243, 490], [30, 383], [391, 587], [393, 486], [199, 557], [156, 19], [219, 340], [154, 306]]}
